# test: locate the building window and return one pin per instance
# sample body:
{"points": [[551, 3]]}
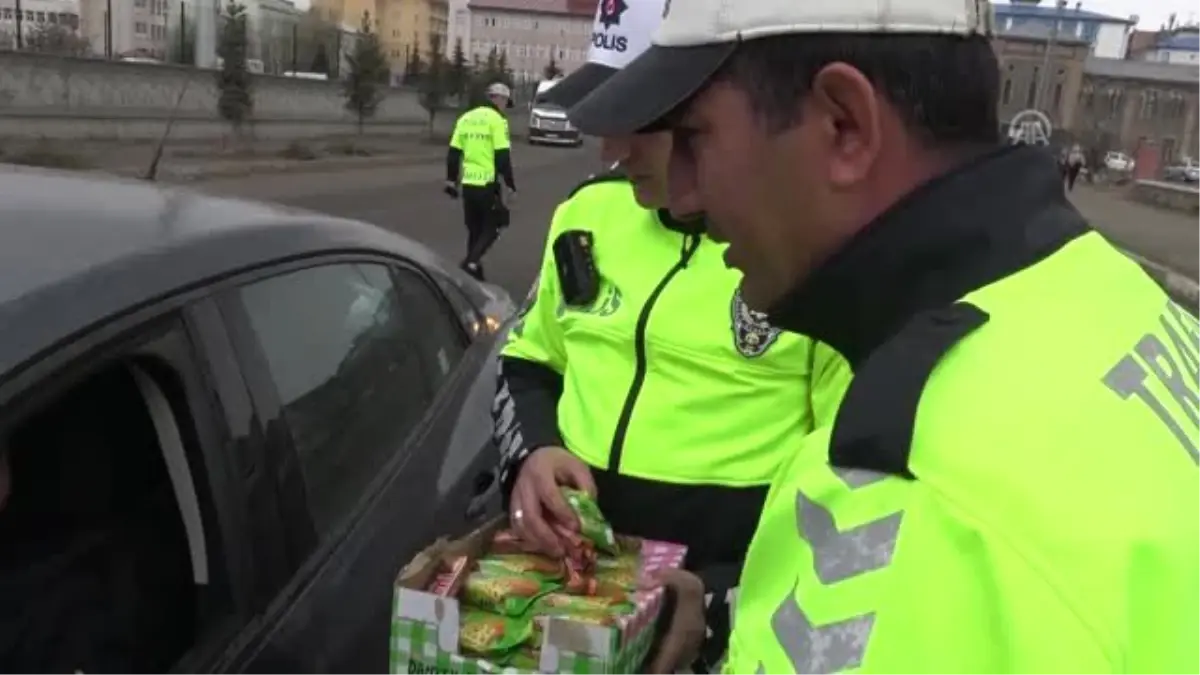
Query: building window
{"points": [[1032, 94], [1058, 92], [1114, 102], [1006, 93], [139, 28], [140, 4], [1149, 104]]}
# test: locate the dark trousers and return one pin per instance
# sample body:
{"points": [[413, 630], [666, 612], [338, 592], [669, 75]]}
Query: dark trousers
{"points": [[481, 205], [1072, 175]]}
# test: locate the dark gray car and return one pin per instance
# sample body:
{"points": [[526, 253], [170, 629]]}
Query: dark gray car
{"points": [[227, 427]]}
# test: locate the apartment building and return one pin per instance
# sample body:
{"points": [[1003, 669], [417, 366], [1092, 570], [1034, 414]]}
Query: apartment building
{"points": [[34, 15], [459, 28], [137, 28], [338, 12], [413, 25], [402, 25], [531, 32]]}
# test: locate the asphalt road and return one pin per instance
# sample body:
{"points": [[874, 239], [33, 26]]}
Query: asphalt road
{"points": [[408, 199]]}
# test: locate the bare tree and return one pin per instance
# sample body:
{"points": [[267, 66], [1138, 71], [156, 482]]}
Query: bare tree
{"points": [[55, 38]]}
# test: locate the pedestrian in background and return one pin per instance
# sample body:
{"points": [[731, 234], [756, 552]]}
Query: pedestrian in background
{"points": [[478, 158], [1075, 164], [1010, 481]]}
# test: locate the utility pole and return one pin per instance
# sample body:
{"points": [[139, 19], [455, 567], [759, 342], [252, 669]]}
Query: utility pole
{"points": [[183, 34], [1051, 43], [20, 29], [108, 31]]}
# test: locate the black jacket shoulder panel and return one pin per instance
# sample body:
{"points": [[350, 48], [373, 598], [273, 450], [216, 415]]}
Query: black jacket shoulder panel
{"points": [[602, 177]]}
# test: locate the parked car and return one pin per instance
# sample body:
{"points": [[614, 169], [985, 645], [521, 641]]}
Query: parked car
{"points": [[1187, 171], [548, 122], [227, 427], [1118, 161]]}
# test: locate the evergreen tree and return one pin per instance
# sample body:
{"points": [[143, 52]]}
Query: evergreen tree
{"points": [[503, 74], [458, 72], [434, 82], [320, 62], [236, 102], [365, 84], [416, 65]]}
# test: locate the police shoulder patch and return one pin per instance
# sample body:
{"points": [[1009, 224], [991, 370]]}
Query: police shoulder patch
{"points": [[752, 334], [602, 177]]}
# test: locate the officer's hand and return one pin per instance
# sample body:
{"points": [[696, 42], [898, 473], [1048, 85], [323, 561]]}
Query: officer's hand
{"points": [[510, 198], [451, 189], [685, 628], [537, 506]]}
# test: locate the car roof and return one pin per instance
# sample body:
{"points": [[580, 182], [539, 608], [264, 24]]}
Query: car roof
{"points": [[76, 249]]}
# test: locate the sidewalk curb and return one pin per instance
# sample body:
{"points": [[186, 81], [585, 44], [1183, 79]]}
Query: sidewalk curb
{"points": [[285, 166], [1177, 285], [170, 174]]}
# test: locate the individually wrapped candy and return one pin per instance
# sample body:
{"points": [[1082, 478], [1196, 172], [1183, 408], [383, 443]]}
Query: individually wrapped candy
{"points": [[522, 563], [507, 594], [451, 577], [592, 524], [566, 605], [507, 542], [527, 658], [490, 635]]}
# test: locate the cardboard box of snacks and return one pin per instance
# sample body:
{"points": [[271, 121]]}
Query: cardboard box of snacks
{"points": [[432, 598]]}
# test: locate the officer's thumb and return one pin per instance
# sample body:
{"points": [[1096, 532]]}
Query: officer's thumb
{"points": [[577, 475], [550, 494]]}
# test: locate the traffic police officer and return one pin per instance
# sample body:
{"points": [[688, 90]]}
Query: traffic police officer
{"points": [[632, 370], [479, 153], [1010, 481]]}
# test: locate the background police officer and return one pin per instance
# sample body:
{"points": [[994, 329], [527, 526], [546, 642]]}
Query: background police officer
{"points": [[635, 392], [1010, 481], [479, 153]]}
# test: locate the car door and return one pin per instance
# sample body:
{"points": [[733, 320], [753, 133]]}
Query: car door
{"points": [[364, 369]]}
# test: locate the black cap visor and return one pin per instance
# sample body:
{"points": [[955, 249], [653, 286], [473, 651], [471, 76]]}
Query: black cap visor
{"points": [[641, 94], [575, 87]]}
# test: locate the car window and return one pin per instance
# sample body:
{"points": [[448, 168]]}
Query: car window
{"points": [[442, 339], [352, 351]]}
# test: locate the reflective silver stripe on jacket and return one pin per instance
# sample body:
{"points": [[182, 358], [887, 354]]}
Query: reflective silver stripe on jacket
{"points": [[837, 556]]}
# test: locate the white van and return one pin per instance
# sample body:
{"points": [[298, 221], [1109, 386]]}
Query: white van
{"points": [[548, 123]]}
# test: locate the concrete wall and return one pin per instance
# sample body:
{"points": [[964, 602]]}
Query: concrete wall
{"points": [[59, 97], [1167, 195]]}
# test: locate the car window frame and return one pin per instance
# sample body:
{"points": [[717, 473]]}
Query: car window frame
{"points": [[308, 552], [152, 331]]}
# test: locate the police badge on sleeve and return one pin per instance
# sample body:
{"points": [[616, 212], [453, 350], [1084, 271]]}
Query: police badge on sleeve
{"points": [[752, 334]]}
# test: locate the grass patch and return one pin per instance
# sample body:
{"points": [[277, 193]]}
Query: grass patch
{"points": [[347, 149], [299, 151], [49, 156]]}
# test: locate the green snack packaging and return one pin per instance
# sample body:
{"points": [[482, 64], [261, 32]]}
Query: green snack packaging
{"points": [[592, 524], [617, 575], [526, 658], [567, 605], [488, 635], [522, 563], [508, 594]]}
